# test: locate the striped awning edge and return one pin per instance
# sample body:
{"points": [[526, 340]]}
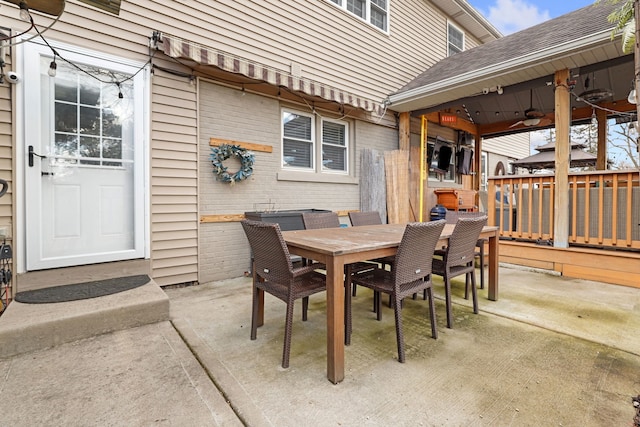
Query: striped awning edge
{"points": [[176, 47]]}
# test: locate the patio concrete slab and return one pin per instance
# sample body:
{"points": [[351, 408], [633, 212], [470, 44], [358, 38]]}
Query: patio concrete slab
{"points": [[570, 359], [136, 377], [487, 370]]}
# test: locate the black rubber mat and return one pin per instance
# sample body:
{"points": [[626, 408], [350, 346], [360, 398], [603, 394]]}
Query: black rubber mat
{"points": [[81, 291]]}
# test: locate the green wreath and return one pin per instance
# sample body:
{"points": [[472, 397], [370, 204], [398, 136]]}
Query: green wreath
{"points": [[223, 152]]}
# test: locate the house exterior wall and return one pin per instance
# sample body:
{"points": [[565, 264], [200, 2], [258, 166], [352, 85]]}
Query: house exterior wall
{"points": [[515, 146], [327, 43], [227, 113]]}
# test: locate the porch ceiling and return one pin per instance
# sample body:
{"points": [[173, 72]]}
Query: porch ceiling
{"points": [[467, 83]]}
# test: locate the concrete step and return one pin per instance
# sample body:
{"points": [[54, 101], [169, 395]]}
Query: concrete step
{"points": [[30, 327]]}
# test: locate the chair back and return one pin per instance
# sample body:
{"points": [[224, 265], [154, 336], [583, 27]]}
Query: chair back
{"points": [[415, 252], [453, 216], [462, 243], [365, 218], [314, 220], [271, 258]]}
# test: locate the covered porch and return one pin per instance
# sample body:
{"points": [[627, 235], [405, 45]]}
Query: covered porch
{"points": [[564, 72]]}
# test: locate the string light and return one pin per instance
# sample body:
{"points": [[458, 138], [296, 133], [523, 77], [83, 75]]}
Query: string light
{"points": [[53, 67], [120, 95], [594, 119], [24, 11]]}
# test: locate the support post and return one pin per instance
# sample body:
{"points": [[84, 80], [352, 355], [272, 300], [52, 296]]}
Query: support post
{"points": [[601, 161], [563, 148]]}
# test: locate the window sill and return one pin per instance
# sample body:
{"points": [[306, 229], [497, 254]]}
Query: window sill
{"points": [[316, 177]]}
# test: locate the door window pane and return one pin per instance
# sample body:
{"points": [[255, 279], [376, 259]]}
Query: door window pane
{"points": [[91, 120]]}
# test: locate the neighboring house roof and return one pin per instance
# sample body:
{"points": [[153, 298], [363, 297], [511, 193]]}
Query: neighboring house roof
{"points": [[546, 158], [518, 63]]}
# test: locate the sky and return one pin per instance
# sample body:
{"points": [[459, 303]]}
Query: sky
{"points": [[510, 16]]}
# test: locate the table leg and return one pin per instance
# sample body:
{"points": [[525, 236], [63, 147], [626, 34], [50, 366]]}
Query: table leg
{"points": [[493, 267], [335, 320]]}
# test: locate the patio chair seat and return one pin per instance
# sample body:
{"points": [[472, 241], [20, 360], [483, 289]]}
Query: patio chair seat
{"points": [[411, 274], [273, 272], [370, 218], [458, 259], [452, 218]]}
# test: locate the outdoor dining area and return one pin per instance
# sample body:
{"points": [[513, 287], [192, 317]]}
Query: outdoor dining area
{"points": [[550, 351], [398, 260]]}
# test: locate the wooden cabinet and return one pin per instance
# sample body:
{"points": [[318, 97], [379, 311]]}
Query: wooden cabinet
{"points": [[456, 199]]}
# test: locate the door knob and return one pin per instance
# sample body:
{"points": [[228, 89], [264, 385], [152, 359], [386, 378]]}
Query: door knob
{"points": [[33, 153]]}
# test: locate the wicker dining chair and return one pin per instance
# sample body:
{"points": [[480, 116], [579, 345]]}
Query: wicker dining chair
{"points": [[273, 272], [411, 274], [458, 259], [316, 220], [370, 218], [452, 218]]}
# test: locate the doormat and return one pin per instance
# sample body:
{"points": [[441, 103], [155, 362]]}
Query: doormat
{"points": [[80, 291]]}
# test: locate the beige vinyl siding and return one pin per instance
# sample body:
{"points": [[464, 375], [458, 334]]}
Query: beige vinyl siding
{"points": [[174, 199], [312, 34], [6, 156], [511, 146]]}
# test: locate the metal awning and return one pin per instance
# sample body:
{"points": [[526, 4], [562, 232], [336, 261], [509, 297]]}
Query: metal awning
{"points": [[176, 47]]}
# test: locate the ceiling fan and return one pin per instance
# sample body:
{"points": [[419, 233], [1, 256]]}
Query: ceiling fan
{"points": [[532, 116]]}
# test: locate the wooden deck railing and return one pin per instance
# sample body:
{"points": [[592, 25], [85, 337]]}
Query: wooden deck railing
{"points": [[604, 208]]}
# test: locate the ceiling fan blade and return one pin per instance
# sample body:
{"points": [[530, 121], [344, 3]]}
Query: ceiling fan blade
{"points": [[533, 121], [521, 122]]}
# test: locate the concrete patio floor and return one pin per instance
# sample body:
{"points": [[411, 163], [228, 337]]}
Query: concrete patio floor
{"points": [[551, 351]]}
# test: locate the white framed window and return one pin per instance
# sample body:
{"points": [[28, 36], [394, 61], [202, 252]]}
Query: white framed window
{"points": [[455, 39], [335, 144], [306, 137], [298, 140], [375, 12]]}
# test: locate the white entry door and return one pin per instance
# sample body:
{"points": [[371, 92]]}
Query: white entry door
{"points": [[84, 144]]}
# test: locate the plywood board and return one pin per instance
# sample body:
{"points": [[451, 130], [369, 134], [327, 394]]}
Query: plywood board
{"points": [[396, 166], [373, 193]]}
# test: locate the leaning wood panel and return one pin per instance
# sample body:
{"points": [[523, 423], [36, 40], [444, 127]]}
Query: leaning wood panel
{"points": [[373, 193], [396, 166]]}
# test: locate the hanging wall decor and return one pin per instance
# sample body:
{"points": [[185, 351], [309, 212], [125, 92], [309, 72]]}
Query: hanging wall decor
{"points": [[225, 151]]}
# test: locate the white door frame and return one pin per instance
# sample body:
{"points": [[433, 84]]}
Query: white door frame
{"points": [[141, 137]]}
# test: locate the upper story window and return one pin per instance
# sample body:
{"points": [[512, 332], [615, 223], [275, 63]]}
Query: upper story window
{"points": [[455, 39], [301, 145], [375, 12]]}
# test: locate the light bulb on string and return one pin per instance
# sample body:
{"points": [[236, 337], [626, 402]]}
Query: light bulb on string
{"points": [[53, 68], [594, 119], [24, 11], [632, 97]]}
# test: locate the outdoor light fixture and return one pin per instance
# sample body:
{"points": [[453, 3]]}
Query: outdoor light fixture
{"points": [[24, 11], [53, 68]]}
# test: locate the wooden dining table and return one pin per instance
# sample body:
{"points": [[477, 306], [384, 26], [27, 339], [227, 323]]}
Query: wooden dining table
{"points": [[336, 247]]}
